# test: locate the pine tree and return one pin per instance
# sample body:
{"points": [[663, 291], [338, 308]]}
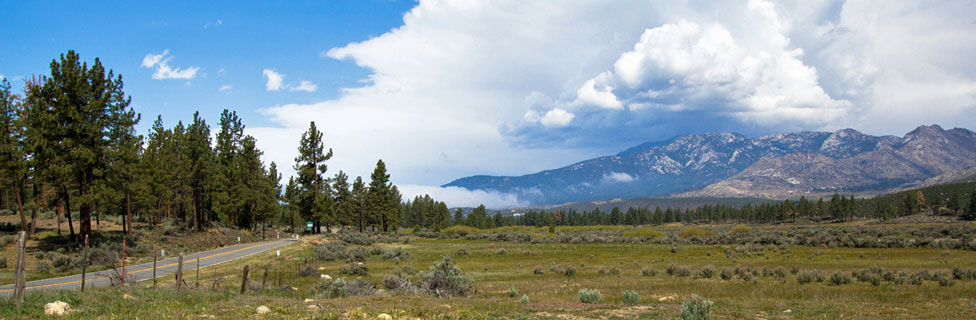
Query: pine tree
{"points": [[971, 212], [345, 203], [359, 192], [201, 159], [310, 168], [13, 164], [80, 102], [378, 196]]}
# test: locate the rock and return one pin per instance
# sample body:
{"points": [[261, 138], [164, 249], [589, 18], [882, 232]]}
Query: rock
{"points": [[263, 310], [326, 277], [56, 308], [666, 299], [383, 316], [321, 268], [787, 311], [309, 300], [128, 297]]}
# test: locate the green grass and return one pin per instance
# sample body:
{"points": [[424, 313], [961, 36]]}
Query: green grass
{"points": [[554, 295]]}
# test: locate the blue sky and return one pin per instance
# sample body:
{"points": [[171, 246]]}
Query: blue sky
{"points": [[446, 89]]}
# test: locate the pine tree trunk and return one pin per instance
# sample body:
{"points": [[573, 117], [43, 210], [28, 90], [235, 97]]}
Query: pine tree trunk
{"points": [[126, 214], [84, 229], [20, 207], [67, 213]]}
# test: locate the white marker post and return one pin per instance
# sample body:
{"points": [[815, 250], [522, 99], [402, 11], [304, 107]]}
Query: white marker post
{"points": [[278, 253], [162, 253]]}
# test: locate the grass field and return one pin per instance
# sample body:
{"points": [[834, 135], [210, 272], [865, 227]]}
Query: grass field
{"points": [[497, 267]]}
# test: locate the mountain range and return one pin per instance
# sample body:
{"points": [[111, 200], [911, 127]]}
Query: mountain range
{"points": [[782, 165]]}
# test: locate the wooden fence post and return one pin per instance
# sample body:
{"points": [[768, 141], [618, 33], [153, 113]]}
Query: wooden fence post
{"points": [[264, 280], [179, 273], [154, 271], [123, 260], [20, 277], [197, 284], [244, 280], [215, 278]]}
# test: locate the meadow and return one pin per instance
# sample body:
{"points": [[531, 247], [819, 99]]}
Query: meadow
{"points": [[543, 280]]}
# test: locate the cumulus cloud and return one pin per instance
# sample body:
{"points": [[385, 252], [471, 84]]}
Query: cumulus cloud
{"points": [[618, 177], [275, 80], [306, 86], [163, 71], [556, 118], [460, 197], [508, 87]]}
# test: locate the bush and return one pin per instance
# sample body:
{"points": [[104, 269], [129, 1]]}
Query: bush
{"points": [[360, 287], [5, 240], [614, 271], [839, 279], [539, 270], [644, 232], [331, 251], [308, 270], [726, 274], [678, 271], [43, 267], [63, 263], [740, 229], [501, 252], [631, 297], [445, 279], [397, 254], [355, 238], [460, 230], [3, 262], [696, 309], [461, 252], [591, 296], [945, 281], [330, 288], [808, 276], [707, 272], [569, 271], [916, 279], [688, 232], [394, 282], [512, 292], [648, 272], [357, 254], [355, 270]]}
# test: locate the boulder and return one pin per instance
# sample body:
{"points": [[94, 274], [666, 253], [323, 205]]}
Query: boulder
{"points": [[56, 308], [263, 310]]}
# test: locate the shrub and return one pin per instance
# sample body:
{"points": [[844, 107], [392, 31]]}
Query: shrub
{"points": [[355, 270], [644, 232], [726, 274], [696, 309], [330, 288], [512, 292], [331, 251], [360, 287], [460, 230], [900, 280], [591, 296], [3, 262], [614, 271], [961, 274], [707, 272], [678, 271], [808, 276], [357, 254], [740, 229], [308, 270], [355, 238], [5, 240], [525, 297], [445, 279], [839, 279], [394, 282], [631, 297], [501, 252], [397, 254], [648, 272], [462, 252], [569, 271], [945, 281], [916, 279], [43, 267], [538, 270], [688, 232], [63, 263]]}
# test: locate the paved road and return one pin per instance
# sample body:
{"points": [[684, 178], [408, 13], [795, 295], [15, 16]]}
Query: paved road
{"points": [[165, 267]]}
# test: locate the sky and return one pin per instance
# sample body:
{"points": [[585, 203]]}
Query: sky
{"points": [[445, 89]]}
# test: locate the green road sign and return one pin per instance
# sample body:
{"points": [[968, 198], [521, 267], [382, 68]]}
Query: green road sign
{"points": [[309, 225]]}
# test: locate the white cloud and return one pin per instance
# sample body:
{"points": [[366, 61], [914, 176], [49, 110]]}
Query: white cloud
{"points": [[460, 197], [306, 86], [618, 177], [226, 88], [275, 80], [216, 23], [557, 118], [599, 92], [163, 71], [444, 85]]}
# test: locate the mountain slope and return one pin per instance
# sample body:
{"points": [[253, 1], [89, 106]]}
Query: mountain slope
{"points": [[728, 164]]}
